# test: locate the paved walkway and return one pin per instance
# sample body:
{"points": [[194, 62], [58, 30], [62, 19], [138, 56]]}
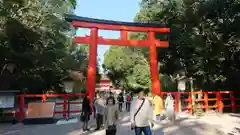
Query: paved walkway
{"points": [[228, 123], [184, 125]]}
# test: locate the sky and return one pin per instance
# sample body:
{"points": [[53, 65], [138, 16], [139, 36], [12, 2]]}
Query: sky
{"points": [[118, 10]]}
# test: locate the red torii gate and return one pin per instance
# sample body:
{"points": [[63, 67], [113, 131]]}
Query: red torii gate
{"points": [[124, 27]]}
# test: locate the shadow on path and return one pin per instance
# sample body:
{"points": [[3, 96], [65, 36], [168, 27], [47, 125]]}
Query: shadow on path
{"points": [[234, 115], [187, 126], [182, 126]]}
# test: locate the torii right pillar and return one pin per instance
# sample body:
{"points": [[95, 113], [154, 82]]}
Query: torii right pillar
{"points": [[156, 88]]}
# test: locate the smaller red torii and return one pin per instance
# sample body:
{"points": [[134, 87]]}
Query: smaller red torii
{"points": [[124, 27]]}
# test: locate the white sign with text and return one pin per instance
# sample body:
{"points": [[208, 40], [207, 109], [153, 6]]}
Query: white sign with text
{"points": [[7, 101]]}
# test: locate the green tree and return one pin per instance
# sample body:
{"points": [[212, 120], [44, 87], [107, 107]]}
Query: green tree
{"points": [[34, 33], [204, 39], [128, 68], [77, 60]]}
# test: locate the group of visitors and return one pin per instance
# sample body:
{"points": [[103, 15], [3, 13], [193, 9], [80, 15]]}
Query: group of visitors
{"points": [[166, 110], [127, 99], [106, 111]]}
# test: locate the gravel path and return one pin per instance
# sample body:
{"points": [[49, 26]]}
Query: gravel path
{"points": [[211, 124], [228, 123]]}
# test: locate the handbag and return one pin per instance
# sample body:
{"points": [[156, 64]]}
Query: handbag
{"points": [[112, 127], [82, 117], [133, 126]]}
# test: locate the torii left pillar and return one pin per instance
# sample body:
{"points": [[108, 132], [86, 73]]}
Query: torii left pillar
{"points": [[92, 63], [153, 62]]}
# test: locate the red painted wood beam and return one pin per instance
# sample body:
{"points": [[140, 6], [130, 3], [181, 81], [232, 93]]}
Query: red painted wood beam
{"points": [[78, 24], [124, 35], [104, 41], [153, 62]]}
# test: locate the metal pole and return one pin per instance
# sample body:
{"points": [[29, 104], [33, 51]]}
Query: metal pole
{"points": [[191, 87], [179, 98], [180, 101], [69, 109]]}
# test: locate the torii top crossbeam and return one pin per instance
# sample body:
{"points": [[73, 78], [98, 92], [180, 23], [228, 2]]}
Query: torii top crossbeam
{"points": [[124, 27], [85, 22]]}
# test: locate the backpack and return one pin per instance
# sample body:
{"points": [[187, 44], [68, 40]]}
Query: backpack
{"points": [[129, 98]]}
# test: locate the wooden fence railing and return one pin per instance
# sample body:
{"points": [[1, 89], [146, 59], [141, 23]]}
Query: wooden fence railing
{"points": [[218, 101]]}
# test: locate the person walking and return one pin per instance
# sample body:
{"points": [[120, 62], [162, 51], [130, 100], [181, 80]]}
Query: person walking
{"points": [[120, 101], [100, 107], [111, 116], [94, 103], [158, 106], [141, 114], [125, 100], [86, 110], [128, 102], [169, 105]]}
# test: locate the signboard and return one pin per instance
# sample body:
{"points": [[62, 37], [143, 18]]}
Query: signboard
{"points": [[40, 110], [7, 101]]}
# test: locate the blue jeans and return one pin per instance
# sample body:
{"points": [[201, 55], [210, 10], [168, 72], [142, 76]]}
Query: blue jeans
{"points": [[145, 130], [158, 117]]}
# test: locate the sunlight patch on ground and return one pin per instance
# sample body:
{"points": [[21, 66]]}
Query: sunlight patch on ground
{"points": [[125, 118], [11, 132], [70, 121], [126, 124]]}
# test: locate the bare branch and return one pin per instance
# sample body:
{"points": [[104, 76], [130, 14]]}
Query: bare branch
{"points": [[25, 7]]}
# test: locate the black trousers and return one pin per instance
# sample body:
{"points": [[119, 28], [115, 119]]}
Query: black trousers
{"points": [[128, 104], [86, 119], [111, 131], [99, 120], [120, 106], [94, 112]]}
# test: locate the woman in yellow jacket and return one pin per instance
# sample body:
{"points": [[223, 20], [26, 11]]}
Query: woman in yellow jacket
{"points": [[158, 106]]}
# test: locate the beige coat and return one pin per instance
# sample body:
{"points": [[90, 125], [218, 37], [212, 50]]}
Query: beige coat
{"points": [[111, 115]]}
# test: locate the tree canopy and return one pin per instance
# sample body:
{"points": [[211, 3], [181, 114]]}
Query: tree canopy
{"points": [[128, 68], [35, 34], [204, 42]]}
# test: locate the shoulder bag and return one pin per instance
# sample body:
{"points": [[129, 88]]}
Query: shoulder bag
{"points": [[134, 117]]}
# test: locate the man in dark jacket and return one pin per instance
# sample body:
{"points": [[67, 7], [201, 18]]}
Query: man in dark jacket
{"points": [[120, 101]]}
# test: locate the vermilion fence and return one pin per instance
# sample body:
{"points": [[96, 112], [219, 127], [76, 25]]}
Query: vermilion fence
{"points": [[65, 103], [218, 101]]}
